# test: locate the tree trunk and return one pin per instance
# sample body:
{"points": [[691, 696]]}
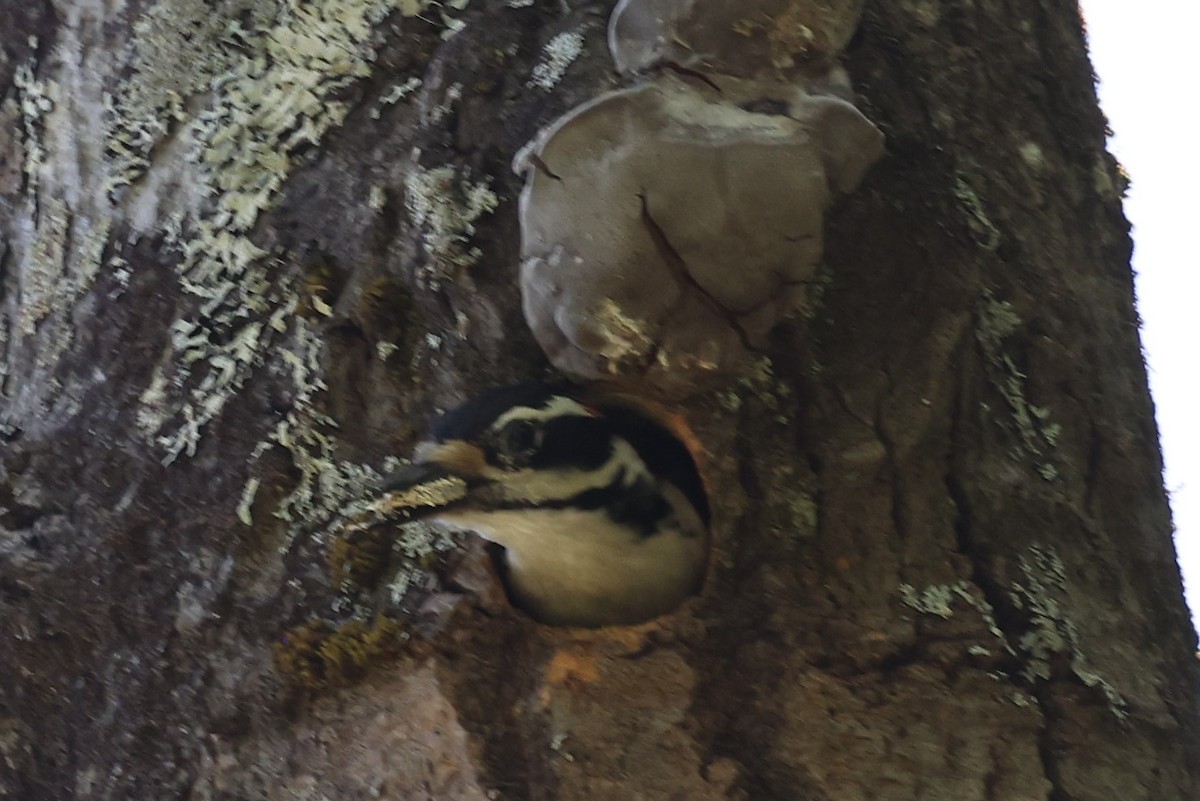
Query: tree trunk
{"points": [[249, 248]]}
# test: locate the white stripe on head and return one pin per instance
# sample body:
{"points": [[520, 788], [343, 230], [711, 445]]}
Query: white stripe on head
{"points": [[539, 486], [558, 406]]}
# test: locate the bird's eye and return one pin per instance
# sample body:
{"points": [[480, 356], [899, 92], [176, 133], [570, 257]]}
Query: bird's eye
{"points": [[519, 439]]}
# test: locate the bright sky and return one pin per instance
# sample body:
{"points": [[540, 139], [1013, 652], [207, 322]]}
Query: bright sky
{"points": [[1145, 56]]}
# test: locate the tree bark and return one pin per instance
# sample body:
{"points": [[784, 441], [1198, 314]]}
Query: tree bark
{"points": [[250, 248]]}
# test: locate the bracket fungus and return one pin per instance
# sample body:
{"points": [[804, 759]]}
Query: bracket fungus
{"points": [[666, 228], [743, 38]]}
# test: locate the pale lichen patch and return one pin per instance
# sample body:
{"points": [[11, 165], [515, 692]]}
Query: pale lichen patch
{"points": [[438, 113], [394, 95], [377, 198], [1033, 156], [37, 100], [333, 492], [939, 600], [417, 544], [122, 274], [269, 81], [761, 383], [327, 487], [179, 47], [248, 492], [985, 231], [624, 339], [1051, 631], [557, 56], [445, 206], [43, 268], [933, 600], [997, 321]]}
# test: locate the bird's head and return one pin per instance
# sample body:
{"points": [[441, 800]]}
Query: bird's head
{"points": [[600, 507]]}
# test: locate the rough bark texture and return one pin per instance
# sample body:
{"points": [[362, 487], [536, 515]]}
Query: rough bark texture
{"points": [[943, 563]]}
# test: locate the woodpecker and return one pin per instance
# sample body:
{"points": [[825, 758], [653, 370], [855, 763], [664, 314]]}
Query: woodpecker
{"points": [[600, 509]]}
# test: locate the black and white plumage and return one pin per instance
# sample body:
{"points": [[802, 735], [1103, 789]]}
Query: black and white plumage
{"points": [[600, 509]]}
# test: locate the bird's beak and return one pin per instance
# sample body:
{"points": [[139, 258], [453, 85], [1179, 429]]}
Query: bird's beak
{"points": [[442, 477]]}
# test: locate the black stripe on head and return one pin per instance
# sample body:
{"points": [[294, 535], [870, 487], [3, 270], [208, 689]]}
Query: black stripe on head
{"points": [[584, 443], [470, 420], [663, 453]]}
